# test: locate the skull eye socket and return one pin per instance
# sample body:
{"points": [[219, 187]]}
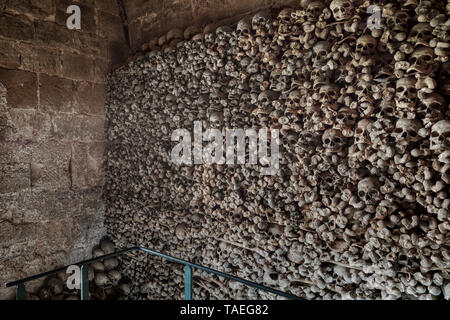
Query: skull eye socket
{"points": [[337, 140], [413, 134], [361, 194], [400, 89], [398, 130], [413, 60], [389, 110], [340, 116], [427, 58], [434, 134], [371, 45], [327, 141], [358, 131], [373, 193], [332, 93], [297, 100]]}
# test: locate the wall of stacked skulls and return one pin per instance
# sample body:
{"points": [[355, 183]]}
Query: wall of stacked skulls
{"points": [[359, 207]]}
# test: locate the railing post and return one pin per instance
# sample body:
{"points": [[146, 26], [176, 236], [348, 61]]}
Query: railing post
{"points": [[20, 292], [85, 282], [187, 282]]}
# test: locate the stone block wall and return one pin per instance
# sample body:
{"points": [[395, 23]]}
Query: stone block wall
{"points": [[52, 96]]}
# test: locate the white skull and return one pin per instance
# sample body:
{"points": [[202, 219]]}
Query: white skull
{"points": [[321, 50], [406, 90], [440, 136], [406, 131], [422, 61], [342, 9], [421, 33], [362, 131], [333, 140], [366, 45], [243, 27], [368, 190]]}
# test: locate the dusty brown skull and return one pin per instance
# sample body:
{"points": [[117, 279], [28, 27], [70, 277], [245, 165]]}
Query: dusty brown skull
{"points": [[422, 61], [432, 107], [333, 140], [366, 45], [308, 141], [406, 131], [440, 136], [368, 190], [285, 16], [398, 21], [342, 9], [362, 131], [260, 19], [421, 33], [329, 93], [346, 118], [294, 99], [405, 90], [314, 10]]}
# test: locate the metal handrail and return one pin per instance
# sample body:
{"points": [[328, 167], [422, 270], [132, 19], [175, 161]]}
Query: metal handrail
{"points": [[21, 294]]}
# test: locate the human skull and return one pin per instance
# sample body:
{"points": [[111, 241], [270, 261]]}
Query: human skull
{"points": [[440, 136], [368, 190], [307, 141], [422, 61], [260, 20], [362, 131], [421, 33], [294, 99], [406, 90], [333, 140], [366, 45], [243, 27], [342, 9], [314, 10], [285, 15], [278, 81], [321, 50], [398, 21], [432, 107], [346, 118], [406, 131], [266, 97], [329, 93]]}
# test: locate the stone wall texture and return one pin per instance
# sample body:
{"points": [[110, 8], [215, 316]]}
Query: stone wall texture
{"points": [[52, 93]]}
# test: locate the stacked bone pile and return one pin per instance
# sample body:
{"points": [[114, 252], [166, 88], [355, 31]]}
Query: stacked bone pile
{"points": [[105, 280], [359, 207]]}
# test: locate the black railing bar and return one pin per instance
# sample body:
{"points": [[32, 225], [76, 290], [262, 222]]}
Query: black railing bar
{"points": [[162, 255], [44, 274], [224, 275]]}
